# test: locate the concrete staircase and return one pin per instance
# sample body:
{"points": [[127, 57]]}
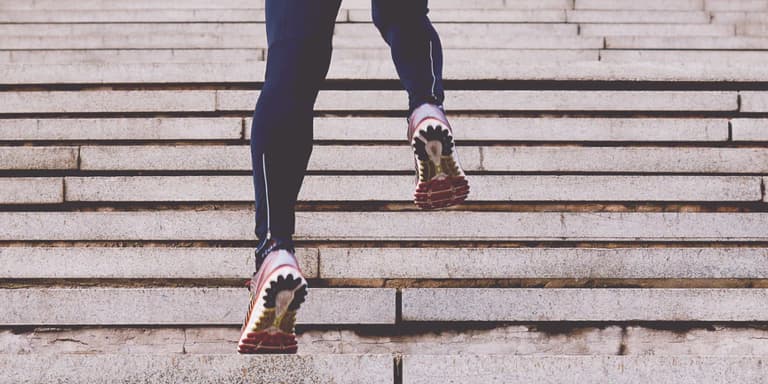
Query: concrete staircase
{"points": [[616, 232]]}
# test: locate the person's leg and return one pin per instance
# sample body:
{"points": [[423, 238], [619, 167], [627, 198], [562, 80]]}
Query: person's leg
{"points": [[299, 34], [415, 46], [418, 57]]}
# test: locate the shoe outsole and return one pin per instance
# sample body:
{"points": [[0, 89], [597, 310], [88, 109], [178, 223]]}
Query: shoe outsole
{"points": [[441, 183], [273, 332]]}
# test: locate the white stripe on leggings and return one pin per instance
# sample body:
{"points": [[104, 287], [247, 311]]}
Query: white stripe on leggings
{"points": [[266, 188], [432, 67]]}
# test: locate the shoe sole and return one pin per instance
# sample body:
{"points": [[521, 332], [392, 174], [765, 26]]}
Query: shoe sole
{"points": [[271, 322], [442, 182]]}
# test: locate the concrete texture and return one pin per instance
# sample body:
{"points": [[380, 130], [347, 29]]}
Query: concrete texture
{"points": [[159, 369], [182, 306], [584, 304], [493, 369], [31, 190], [574, 263], [37, 158], [137, 262], [122, 129], [106, 101], [749, 129]]}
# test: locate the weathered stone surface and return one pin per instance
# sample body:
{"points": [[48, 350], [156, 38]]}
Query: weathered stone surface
{"points": [[686, 42], [165, 306], [159, 369], [576, 263], [136, 262], [637, 16], [712, 340], [405, 225], [657, 30], [749, 129], [736, 5], [493, 369], [752, 101], [504, 339], [642, 5], [711, 57], [625, 159], [106, 101], [738, 16], [122, 129], [584, 304], [400, 188], [31, 190], [132, 340], [35, 158], [127, 56]]}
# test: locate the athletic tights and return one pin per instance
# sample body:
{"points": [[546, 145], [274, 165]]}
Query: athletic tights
{"points": [[299, 34]]}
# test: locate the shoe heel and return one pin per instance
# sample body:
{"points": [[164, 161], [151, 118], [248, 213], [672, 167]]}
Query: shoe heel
{"points": [[441, 180], [274, 331]]}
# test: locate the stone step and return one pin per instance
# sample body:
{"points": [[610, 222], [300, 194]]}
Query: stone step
{"points": [[394, 158], [400, 158], [749, 129], [226, 306], [379, 368], [180, 368], [389, 263], [656, 30], [232, 56], [497, 369], [737, 5], [36, 158], [138, 262], [636, 16], [31, 190], [739, 17], [752, 29], [232, 100], [182, 306], [520, 69], [507, 339], [223, 225], [715, 58], [584, 304], [690, 5], [354, 129], [687, 42], [385, 188]]}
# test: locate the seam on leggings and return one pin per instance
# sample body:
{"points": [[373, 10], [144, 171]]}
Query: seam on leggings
{"points": [[266, 188], [432, 67]]}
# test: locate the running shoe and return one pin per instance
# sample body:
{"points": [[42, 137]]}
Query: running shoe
{"points": [[277, 290], [440, 180]]}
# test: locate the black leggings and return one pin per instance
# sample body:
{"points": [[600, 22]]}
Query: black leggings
{"points": [[299, 36]]}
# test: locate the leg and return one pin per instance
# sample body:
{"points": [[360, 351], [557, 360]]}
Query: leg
{"points": [[417, 53], [299, 36], [416, 48]]}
